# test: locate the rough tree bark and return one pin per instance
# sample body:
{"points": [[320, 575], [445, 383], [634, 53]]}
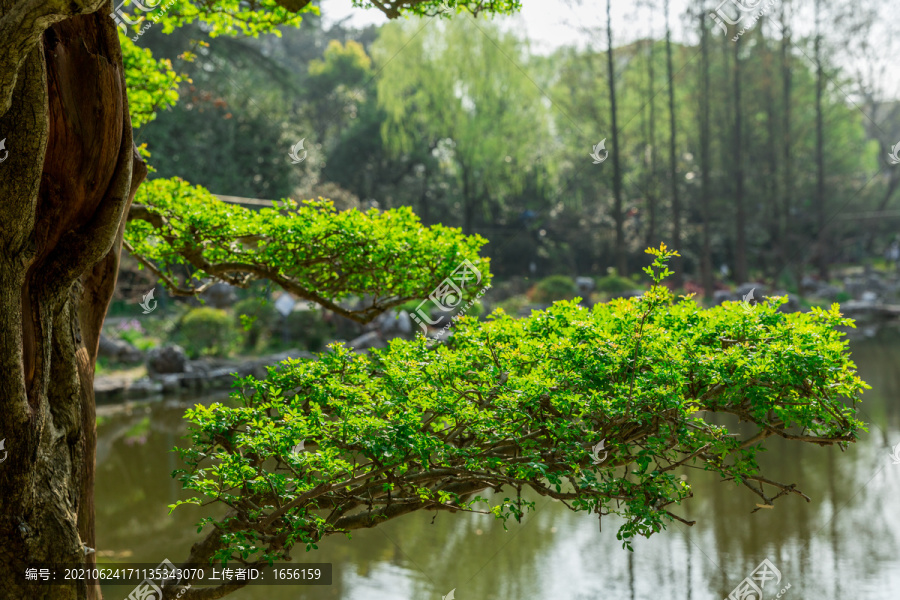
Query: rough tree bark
{"points": [[68, 182]]}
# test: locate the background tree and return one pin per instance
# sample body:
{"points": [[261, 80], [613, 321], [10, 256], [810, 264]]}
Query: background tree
{"points": [[488, 131], [621, 264]]}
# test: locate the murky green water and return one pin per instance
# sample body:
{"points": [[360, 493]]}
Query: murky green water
{"points": [[843, 544]]}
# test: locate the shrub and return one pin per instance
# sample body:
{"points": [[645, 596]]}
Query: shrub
{"points": [[512, 305], [615, 284], [256, 318], [207, 331], [553, 288], [841, 297]]}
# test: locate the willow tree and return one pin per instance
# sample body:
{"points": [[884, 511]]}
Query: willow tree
{"points": [[465, 89], [72, 87]]}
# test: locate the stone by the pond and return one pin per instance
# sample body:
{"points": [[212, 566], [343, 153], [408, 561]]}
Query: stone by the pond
{"points": [[220, 295], [404, 323], [585, 285], [367, 340], [168, 359], [119, 350]]}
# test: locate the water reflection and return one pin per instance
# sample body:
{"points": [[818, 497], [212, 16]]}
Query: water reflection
{"points": [[844, 543]]}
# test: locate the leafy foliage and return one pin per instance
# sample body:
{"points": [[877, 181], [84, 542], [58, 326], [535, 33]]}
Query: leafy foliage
{"points": [[152, 84], [308, 248], [520, 403]]}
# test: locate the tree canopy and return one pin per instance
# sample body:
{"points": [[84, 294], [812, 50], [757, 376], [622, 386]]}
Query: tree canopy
{"points": [[516, 403]]}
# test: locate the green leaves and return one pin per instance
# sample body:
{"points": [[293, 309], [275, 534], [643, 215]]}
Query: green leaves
{"points": [[152, 84], [307, 248], [520, 403]]}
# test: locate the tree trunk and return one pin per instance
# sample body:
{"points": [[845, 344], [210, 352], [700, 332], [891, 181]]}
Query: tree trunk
{"points": [[821, 256], [740, 252], [468, 201], [788, 187], [678, 267], [68, 182], [621, 264], [706, 255], [652, 242], [773, 218]]}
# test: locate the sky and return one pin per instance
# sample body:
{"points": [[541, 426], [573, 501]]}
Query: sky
{"points": [[550, 24]]}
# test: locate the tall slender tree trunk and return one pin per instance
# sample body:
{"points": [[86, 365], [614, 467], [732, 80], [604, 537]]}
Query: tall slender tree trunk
{"points": [[66, 188], [706, 254], [468, 201], [652, 181], [424, 203], [773, 214], [821, 251], [621, 264], [678, 266], [740, 250], [786, 140]]}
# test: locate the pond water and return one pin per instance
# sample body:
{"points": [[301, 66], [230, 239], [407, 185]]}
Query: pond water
{"points": [[843, 544]]}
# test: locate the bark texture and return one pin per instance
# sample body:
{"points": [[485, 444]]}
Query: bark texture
{"points": [[64, 190]]}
